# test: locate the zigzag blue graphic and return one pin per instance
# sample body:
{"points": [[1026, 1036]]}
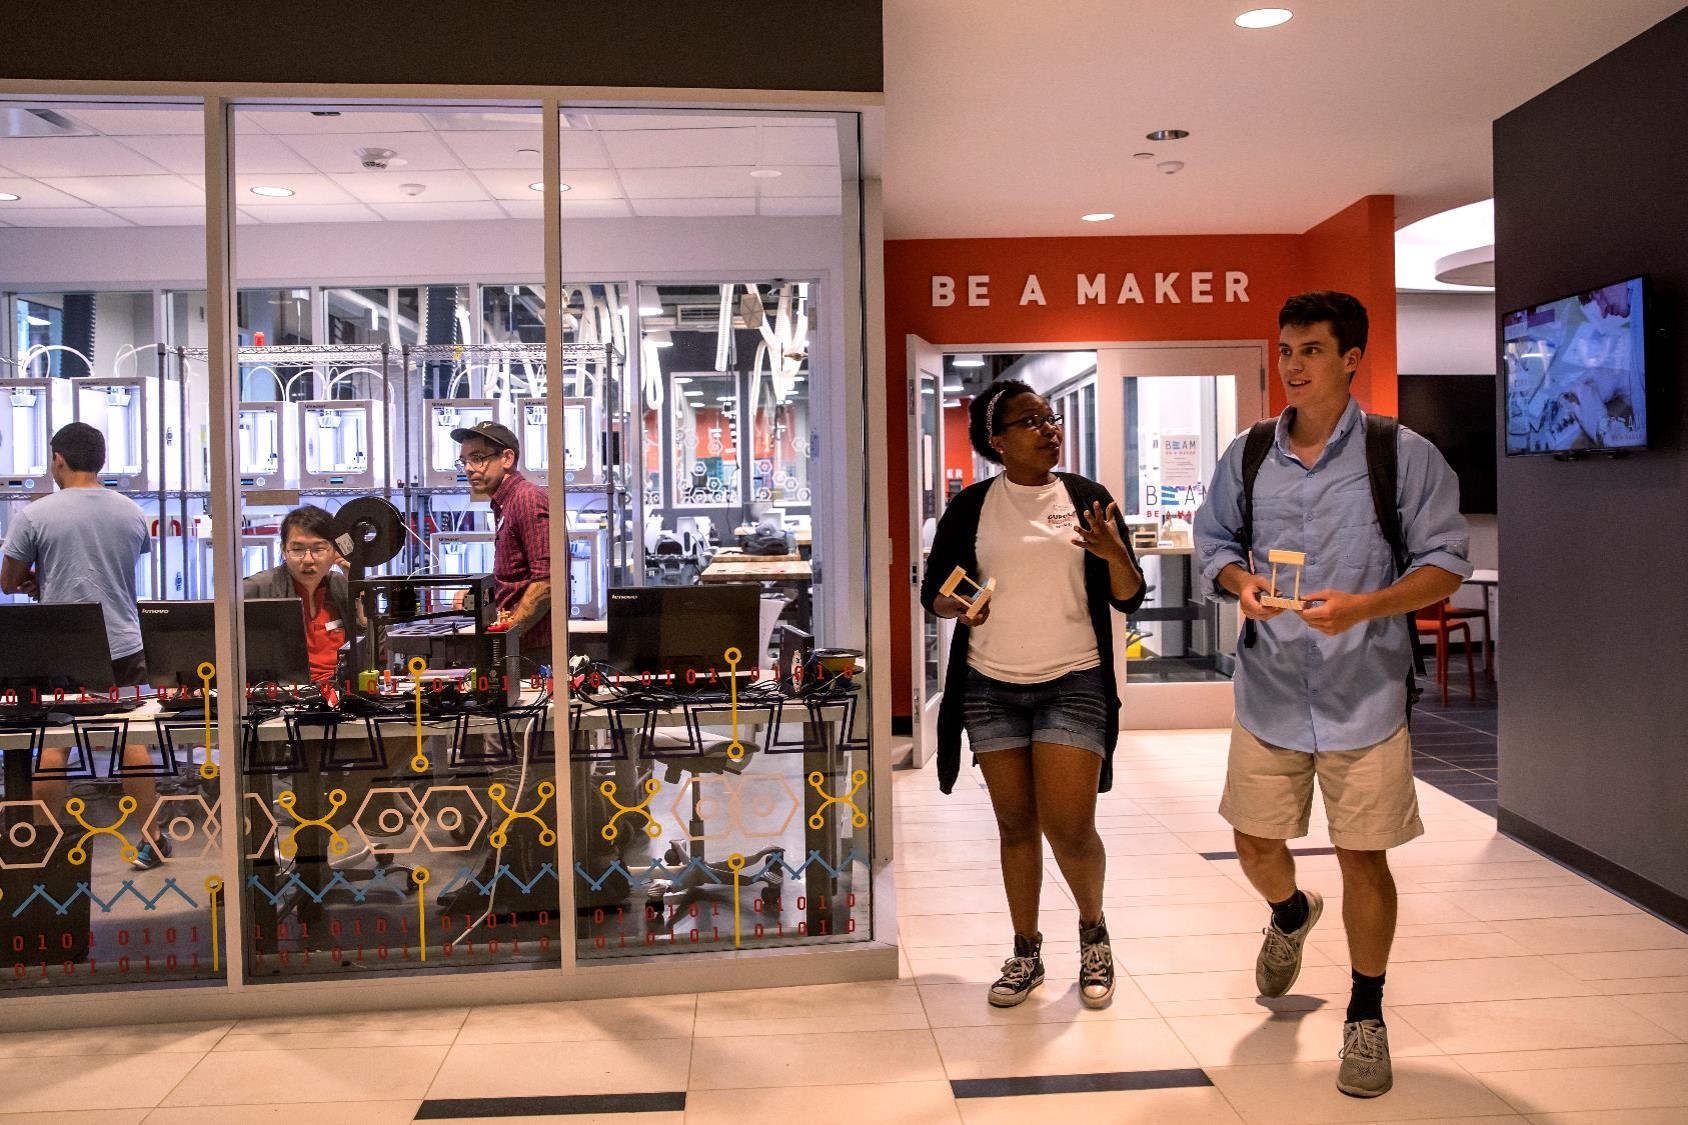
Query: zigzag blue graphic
{"points": [[126, 889], [657, 871], [380, 877], [466, 875]]}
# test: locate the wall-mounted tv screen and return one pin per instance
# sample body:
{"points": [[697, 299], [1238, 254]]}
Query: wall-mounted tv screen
{"points": [[1576, 372], [1456, 414]]}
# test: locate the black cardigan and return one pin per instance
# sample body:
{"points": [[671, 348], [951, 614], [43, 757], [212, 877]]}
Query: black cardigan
{"points": [[956, 544]]}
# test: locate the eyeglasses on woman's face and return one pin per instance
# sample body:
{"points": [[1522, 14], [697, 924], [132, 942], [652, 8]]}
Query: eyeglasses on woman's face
{"points": [[318, 550], [1035, 422]]}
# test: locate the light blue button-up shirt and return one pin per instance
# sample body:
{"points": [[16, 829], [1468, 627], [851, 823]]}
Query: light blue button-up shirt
{"points": [[1297, 688]]}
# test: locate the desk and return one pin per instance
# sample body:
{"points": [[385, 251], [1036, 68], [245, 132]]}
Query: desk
{"points": [[754, 568], [1486, 580]]}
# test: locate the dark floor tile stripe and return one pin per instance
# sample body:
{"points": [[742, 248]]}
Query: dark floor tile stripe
{"points": [[447, 1109], [1292, 851], [1079, 1083]]}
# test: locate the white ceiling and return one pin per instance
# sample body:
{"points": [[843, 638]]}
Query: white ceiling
{"points": [[145, 167], [1008, 119]]}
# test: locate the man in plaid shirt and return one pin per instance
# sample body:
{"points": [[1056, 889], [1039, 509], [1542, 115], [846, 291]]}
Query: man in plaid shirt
{"points": [[521, 549]]}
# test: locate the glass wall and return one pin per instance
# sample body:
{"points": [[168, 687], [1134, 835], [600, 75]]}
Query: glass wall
{"points": [[398, 727], [111, 823]]}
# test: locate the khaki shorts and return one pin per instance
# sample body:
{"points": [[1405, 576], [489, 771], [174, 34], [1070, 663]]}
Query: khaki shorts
{"points": [[1369, 797]]}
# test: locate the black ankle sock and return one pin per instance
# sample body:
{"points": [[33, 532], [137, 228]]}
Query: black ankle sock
{"points": [[1365, 1002], [1290, 914]]}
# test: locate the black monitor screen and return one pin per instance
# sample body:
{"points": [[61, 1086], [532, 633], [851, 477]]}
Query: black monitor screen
{"points": [[54, 646], [1456, 414], [178, 636], [678, 629]]}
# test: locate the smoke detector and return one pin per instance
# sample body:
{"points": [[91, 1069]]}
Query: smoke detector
{"points": [[413, 190], [1170, 166], [379, 159]]}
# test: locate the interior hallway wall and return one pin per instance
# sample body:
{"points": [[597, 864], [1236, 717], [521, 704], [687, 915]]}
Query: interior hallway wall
{"points": [[1593, 744]]}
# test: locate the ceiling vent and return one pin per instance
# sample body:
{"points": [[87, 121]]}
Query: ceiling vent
{"points": [[24, 122]]}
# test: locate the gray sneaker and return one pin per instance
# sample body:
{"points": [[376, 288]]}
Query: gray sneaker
{"points": [[1279, 962], [1365, 1072]]}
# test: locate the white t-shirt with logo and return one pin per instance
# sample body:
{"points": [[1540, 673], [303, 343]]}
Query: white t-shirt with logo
{"points": [[1039, 627]]}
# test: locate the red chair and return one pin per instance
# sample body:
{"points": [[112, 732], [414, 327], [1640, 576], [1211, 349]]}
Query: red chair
{"points": [[1476, 613], [1437, 620]]}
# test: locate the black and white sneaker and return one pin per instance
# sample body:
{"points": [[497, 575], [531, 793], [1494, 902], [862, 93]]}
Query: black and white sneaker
{"points": [[1095, 966], [1020, 973]]}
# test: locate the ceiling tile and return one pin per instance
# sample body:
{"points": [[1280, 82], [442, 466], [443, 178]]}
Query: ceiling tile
{"points": [[488, 150], [72, 156], [805, 180], [131, 191], [510, 120], [60, 217], [584, 183], [572, 208], [688, 183], [162, 216], [800, 146], [308, 213], [799, 205], [34, 193], [138, 122], [607, 121], [292, 121], [438, 212], [440, 187], [173, 154], [338, 152], [683, 148], [692, 208]]}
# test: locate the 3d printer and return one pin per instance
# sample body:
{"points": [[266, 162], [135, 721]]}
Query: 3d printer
{"points": [[28, 417], [442, 416], [342, 442], [581, 439]]}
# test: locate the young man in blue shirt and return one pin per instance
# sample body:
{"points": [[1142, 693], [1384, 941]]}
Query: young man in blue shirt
{"points": [[1321, 693]]}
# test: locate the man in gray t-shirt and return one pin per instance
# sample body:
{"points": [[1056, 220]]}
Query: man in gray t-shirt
{"points": [[81, 544]]}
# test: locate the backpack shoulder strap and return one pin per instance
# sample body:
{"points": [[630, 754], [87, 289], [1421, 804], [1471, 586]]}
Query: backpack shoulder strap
{"points": [[1261, 435], [1383, 467]]}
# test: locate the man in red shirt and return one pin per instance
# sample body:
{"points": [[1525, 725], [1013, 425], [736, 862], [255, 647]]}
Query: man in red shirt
{"points": [[308, 572], [521, 548]]}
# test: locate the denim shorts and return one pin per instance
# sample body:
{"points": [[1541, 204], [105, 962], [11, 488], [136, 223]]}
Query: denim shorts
{"points": [[1070, 710]]}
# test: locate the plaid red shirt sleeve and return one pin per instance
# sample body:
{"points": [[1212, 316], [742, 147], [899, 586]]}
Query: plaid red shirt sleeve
{"points": [[529, 516]]}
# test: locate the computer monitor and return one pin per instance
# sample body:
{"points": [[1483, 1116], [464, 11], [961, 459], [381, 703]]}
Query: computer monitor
{"points": [[54, 646], [177, 636], [680, 629]]}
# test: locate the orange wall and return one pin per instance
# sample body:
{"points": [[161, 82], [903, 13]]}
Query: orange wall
{"points": [[1353, 250]]}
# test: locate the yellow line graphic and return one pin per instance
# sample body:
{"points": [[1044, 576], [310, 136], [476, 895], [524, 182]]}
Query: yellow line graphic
{"points": [[500, 835], [735, 748], [420, 874], [214, 887], [207, 673], [417, 665], [643, 808], [76, 806], [736, 862], [337, 843], [817, 782]]}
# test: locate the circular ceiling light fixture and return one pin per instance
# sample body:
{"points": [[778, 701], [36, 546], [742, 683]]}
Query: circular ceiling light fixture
{"points": [[1168, 134], [539, 185], [1264, 17], [1142, 156], [765, 173], [969, 361], [1097, 216], [527, 152], [8, 197], [270, 191]]}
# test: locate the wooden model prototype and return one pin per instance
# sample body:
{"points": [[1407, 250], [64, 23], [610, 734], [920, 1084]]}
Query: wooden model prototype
{"points": [[981, 596], [1297, 559]]}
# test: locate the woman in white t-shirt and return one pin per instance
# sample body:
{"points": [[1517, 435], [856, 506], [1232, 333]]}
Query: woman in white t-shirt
{"points": [[1031, 675]]}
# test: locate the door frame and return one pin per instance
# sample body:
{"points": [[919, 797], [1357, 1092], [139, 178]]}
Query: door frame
{"points": [[1148, 706]]}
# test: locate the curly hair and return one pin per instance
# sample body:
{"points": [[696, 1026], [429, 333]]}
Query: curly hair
{"points": [[985, 411]]}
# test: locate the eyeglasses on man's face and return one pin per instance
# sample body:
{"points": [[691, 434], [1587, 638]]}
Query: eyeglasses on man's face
{"points": [[476, 460], [308, 550], [1035, 422]]}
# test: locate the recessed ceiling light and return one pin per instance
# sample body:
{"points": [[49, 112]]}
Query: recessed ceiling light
{"points": [[1264, 17], [1168, 134], [8, 197], [1097, 216], [527, 152], [539, 185], [269, 191], [969, 361], [765, 173], [1142, 156]]}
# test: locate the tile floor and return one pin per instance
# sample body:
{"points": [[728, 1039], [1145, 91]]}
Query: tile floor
{"points": [[1519, 992], [1455, 747]]}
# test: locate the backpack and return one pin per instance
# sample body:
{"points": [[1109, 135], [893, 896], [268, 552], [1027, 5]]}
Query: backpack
{"points": [[1382, 468]]}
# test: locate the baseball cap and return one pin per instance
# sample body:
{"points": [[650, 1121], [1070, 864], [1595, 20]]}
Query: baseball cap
{"points": [[495, 432]]}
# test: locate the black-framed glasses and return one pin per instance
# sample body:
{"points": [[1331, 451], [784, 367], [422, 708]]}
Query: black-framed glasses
{"points": [[475, 460], [308, 551], [1035, 422]]}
